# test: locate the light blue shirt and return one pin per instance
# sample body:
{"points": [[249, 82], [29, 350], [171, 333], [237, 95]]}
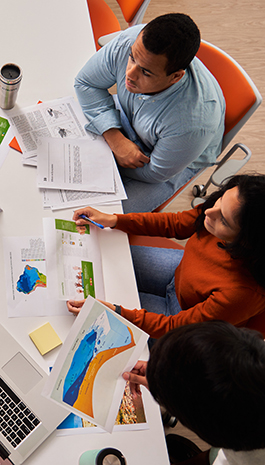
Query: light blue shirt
{"points": [[180, 127]]}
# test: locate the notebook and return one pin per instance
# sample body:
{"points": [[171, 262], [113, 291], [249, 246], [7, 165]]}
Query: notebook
{"points": [[26, 417]]}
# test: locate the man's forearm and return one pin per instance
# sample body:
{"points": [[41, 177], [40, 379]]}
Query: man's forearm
{"points": [[126, 152], [114, 138]]}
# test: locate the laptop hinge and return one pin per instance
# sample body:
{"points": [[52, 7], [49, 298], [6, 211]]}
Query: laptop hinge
{"points": [[4, 454]]}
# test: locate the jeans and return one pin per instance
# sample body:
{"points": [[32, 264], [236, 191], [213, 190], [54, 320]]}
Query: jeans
{"points": [[155, 276], [146, 197]]}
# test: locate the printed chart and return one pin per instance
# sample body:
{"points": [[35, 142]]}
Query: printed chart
{"points": [[86, 377]]}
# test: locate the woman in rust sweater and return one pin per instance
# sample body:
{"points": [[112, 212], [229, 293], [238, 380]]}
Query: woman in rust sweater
{"points": [[221, 275]]}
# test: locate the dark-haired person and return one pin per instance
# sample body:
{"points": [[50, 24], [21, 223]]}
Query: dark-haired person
{"points": [[211, 376], [168, 121], [220, 275]]}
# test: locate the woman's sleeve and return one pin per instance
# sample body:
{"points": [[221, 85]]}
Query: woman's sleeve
{"points": [[178, 225], [236, 306]]}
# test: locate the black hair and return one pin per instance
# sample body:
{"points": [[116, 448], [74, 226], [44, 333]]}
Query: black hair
{"points": [[211, 376], [249, 244], [174, 35]]}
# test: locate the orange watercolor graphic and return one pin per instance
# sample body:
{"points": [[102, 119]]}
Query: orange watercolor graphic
{"points": [[84, 400]]}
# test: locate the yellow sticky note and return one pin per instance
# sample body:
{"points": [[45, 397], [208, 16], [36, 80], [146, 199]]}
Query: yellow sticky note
{"points": [[45, 338]]}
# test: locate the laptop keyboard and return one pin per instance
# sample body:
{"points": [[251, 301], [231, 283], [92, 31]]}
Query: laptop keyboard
{"points": [[17, 421]]}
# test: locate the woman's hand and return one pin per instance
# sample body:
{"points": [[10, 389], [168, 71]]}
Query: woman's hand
{"points": [[107, 220], [107, 304], [74, 306], [137, 377]]}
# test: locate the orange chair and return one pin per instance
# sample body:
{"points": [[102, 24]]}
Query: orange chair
{"points": [[133, 12], [103, 20], [242, 99]]}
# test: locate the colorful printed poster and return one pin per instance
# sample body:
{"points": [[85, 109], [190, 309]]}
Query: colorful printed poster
{"points": [[131, 417], [73, 261], [26, 278], [86, 378]]}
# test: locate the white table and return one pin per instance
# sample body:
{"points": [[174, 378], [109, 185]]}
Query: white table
{"points": [[51, 40]]}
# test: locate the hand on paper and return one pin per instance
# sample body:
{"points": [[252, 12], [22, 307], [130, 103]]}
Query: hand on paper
{"points": [[74, 306], [137, 377], [105, 219], [126, 152]]}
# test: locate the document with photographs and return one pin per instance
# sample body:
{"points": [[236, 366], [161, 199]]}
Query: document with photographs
{"points": [[87, 375], [131, 417], [61, 118], [73, 261]]}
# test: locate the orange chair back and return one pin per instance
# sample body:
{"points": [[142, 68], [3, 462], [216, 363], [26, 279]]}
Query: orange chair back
{"points": [[129, 8], [103, 20], [238, 93], [238, 89]]}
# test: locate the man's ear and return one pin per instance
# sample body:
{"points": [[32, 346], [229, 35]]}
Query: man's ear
{"points": [[175, 77]]}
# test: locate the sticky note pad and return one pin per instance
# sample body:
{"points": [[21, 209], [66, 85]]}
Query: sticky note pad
{"points": [[45, 338]]}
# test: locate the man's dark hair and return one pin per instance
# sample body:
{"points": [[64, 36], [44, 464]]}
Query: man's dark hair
{"points": [[211, 376], [174, 35]]}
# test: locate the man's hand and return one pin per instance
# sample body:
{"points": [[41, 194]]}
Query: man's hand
{"points": [[137, 377], [126, 152]]}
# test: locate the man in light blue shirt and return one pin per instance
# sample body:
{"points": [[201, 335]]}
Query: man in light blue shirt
{"points": [[168, 121]]}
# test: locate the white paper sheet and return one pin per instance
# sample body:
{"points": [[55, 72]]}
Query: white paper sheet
{"points": [[61, 199], [73, 261], [86, 377], [59, 118], [82, 165], [26, 277]]}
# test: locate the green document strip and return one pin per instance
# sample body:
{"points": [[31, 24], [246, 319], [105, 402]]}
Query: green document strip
{"points": [[4, 126], [88, 279], [69, 226]]}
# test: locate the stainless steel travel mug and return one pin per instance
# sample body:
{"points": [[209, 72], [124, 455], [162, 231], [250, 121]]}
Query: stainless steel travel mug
{"points": [[10, 78]]}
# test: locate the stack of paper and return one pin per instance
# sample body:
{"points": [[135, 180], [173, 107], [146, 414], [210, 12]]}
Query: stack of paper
{"points": [[75, 167]]}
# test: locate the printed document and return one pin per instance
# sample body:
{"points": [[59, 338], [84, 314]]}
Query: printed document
{"points": [[131, 417], [82, 165], [73, 261], [26, 278], [87, 375], [58, 199], [60, 118]]}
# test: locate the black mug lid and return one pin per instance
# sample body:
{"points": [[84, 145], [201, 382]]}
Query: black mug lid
{"points": [[110, 456], [10, 73]]}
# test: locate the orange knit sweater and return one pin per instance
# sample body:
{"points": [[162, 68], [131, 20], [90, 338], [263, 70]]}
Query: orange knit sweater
{"points": [[209, 283]]}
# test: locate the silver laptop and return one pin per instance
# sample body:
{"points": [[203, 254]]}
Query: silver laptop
{"points": [[26, 417]]}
